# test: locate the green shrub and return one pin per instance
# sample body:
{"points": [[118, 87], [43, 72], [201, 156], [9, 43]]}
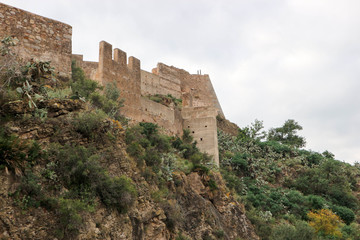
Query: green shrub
{"points": [[149, 175], [81, 85], [109, 106], [240, 162], [187, 138], [316, 202], [135, 150], [161, 142], [351, 231], [301, 231], [283, 232], [233, 182], [70, 219], [77, 166], [346, 214], [16, 153], [166, 99], [180, 236], [201, 169], [133, 134], [296, 203], [183, 165], [149, 129], [263, 227], [341, 196], [276, 147], [30, 190], [8, 95], [219, 233], [188, 150], [82, 175], [155, 99], [313, 158], [112, 92], [176, 142], [196, 158], [152, 157], [30, 184], [58, 93], [89, 123], [212, 185], [118, 193]]}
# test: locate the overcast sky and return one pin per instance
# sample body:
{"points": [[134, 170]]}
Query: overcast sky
{"points": [[268, 60]]}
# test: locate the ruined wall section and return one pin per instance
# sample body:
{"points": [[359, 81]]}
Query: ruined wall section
{"points": [[40, 38]]}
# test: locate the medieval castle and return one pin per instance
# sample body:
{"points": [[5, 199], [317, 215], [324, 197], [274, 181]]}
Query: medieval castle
{"points": [[45, 39]]}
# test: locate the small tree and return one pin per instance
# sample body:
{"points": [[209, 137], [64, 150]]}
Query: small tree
{"points": [[287, 134], [252, 132], [325, 223]]}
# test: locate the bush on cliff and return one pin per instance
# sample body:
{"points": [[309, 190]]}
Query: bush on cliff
{"points": [[82, 86], [80, 171], [89, 123]]}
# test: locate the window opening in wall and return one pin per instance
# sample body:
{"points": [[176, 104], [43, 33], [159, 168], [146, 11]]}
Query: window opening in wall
{"points": [[193, 131], [188, 126], [145, 109], [205, 125], [200, 139]]}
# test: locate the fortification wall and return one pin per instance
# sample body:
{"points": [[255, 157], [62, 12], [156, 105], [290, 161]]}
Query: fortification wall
{"points": [[201, 121], [127, 76], [40, 38], [166, 117], [200, 104], [196, 90], [201, 92], [152, 84]]}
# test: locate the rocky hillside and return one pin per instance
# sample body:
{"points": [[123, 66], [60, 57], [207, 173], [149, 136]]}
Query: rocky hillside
{"points": [[194, 204], [72, 168]]}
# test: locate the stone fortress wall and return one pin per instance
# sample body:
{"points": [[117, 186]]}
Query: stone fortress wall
{"points": [[40, 38], [45, 39]]}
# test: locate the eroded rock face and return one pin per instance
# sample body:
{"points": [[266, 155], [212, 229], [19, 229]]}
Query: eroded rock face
{"points": [[54, 107], [208, 212]]}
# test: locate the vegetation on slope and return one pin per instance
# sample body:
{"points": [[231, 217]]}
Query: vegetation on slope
{"points": [[289, 192]]}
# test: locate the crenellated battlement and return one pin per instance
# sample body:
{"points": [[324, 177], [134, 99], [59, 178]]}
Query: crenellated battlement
{"points": [[200, 105], [116, 59]]}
